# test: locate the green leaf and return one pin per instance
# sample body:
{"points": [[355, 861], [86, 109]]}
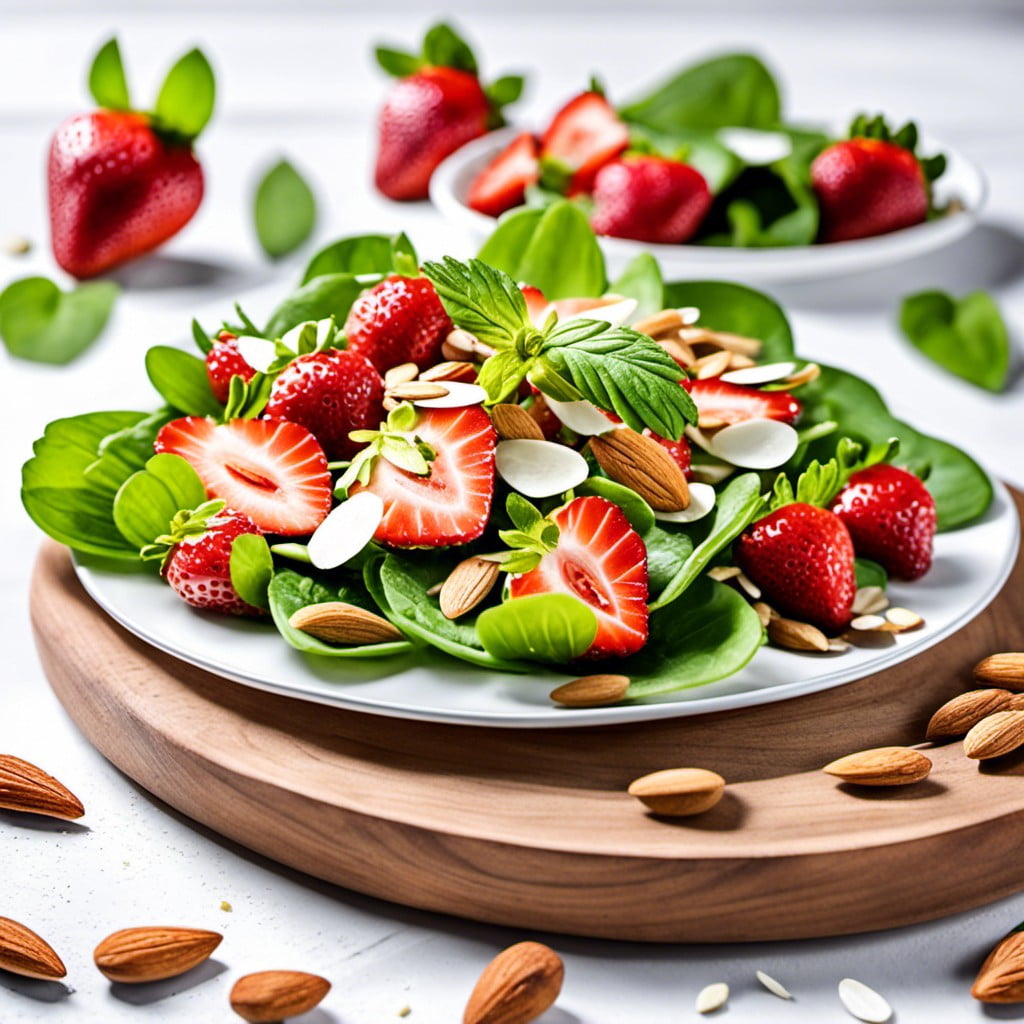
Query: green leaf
{"points": [[641, 280], [284, 210], [553, 628], [870, 574], [361, 254], [186, 99], [248, 399], [965, 336], [181, 380], [203, 340], [397, 62], [443, 47], [41, 323], [505, 90], [667, 552], [148, 500], [107, 82], [501, 374], [637, 511], [317, 299], [252, 569]]}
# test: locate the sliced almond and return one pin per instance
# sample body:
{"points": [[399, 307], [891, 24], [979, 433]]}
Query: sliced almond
{"points": [[756, 444], [709, 473], [456, 370], [958, 716], [591, 691], [679, 792], [864, 1003], [868, 623], [1001, 978], [775, 987], [679, 351], [259, 353], [26, 787], [765, 613], [713, 365], [721, 573], [837, 645], [347, 529], [467, 585], [458, 395], [796, 636], [513, 423], [748, 586], [135, 955], [15, 245], [401, 374], [269, 996], [582, 417], [995, 735], [760, 373], [738, 361], [25, 953], [903, 620], [1006, 670], [460, 346], [810, 372], [712, 997], [657, 324], [644, 465], [614, 310], [336, 622], [870, 601], [417, 390], [517, 986], [707, 422], [882, 766], [721, 339], [540, 469], [702, 500]]}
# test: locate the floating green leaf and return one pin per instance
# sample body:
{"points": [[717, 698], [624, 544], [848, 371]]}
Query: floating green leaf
{"points": [[185, 103], [107, 81], [284, 210]]}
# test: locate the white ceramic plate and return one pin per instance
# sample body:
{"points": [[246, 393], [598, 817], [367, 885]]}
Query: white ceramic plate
{"points": [[962, 180], [970, 567]]}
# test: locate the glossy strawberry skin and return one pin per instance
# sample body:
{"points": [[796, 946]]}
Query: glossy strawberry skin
{"points": [[223, 362], [649, 199], [426, 117], [199, 568], [329, 393], [891, 518], [117, 190], [502, 184], [867, 187], [679, 450], [801, 557], [584, 136], [735, 403], [401, 320]]}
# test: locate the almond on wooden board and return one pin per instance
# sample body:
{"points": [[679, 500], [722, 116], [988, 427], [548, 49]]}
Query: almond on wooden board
{"points": [[268, 996], [881, 766], [958, 716], [23, 952], [1005, 670], [1001, 978], [995, 735], [25, 787], [517, 986], [591, 691], [336, 622], [644, 465], [467, 585], [514, 423], [135, 955], [678, 792]]}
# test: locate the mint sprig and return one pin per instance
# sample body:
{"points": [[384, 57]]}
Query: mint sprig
{"points": [[396, 442], [531, 537]]}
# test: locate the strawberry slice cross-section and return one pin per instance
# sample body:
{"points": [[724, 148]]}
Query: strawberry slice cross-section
{"points": [[583, 136], [729, 403]]}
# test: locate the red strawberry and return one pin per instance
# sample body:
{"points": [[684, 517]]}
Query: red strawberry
{"points": [[537, 304], [891, 518], [601, 560], [868, 187], [452, 504], [198, 567], [733, 403], [223, 362], [271, 470], [582, 137], [401, 320], [503, 182], [679, 450], [329, 393], [650, 199], [801, 557]]}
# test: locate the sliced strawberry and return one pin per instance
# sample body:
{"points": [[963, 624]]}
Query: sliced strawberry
{"points": [[451, 505], [271, 470], [503, 182], [583, 136], [537, 304], [734, 403], [223, 362], [601, 560]]}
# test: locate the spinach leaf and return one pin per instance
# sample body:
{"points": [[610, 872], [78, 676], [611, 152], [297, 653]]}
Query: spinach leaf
{"points": [[667, 552], [965, 336], [252, 568], [637, 511], [551, 628], [148, 500], [870, 574], [641, 280], [284, 210], [364, 255], [181, 380], [317, 299]]}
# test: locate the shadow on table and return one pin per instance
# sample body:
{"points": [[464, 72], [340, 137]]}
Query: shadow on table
{"points": [[42, 823], [35, 988], [154, 991], [160, 272]]}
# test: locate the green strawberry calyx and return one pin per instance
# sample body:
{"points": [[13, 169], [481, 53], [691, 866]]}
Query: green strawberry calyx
{"points": [[187, 523]]}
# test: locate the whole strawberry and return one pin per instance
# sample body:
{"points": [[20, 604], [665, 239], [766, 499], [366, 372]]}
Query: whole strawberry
{"points": [[891, 518], [650, 199], [801, 556], [122, 182], [401, 320], [223, 362], [437, 105], [329, 393]]}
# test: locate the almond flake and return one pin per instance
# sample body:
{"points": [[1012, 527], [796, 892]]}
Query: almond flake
{"points": [[753, 591], [346, 530], [615, 313], [765, 613], [417, 390], [458, 394], [870, 601], [404, 373], [721, 339], [812, 371], [679, 351], [756, 444], [754, 146], [765, 373], [775, 987], [713, 365], [903, 619], [864, 1003], [660, 323], [868, 623], [257, 352], [837, 645], [710, 473], [702, 501], [539, 469], [583, 417], [455, 370], [721, 573], [712, 997]]}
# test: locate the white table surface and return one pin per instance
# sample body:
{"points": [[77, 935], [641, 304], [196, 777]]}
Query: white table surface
{"points": [[301, 83]]}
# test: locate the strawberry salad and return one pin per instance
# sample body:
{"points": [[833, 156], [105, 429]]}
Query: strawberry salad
{"points": [[592, 475]]}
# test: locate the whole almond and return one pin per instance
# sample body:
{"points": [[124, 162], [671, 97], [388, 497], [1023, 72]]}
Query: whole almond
{"points": [[23, 952], [679, 792], [25, 787], [454, 370], [268, 996], [1001, 978], [135, 955], [644, 465], [591, 691], [796, 636], [467, 585], [517, 986], [881, 766], [514, 423], [995, 735], [958, 716], [1005, 670], [336, 622]]}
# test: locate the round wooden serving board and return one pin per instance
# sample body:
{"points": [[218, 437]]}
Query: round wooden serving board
{"points": [[534, 828]]}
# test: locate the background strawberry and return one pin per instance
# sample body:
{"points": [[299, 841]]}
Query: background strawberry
{"points": [[503, 182], [583, 136], [223, 362]]}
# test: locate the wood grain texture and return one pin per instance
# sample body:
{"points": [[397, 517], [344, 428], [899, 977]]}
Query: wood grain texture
{"points": [[534, 828]]}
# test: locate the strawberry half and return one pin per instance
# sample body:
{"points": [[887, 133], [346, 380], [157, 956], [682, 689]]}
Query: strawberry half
{"points": [[451, 505], [271, 470], [601, 560], [503, 182], [223, 362], [582, 137], [734, 403]]}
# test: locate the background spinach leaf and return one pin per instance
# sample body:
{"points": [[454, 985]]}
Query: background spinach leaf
{"points": [[363, 255], [641, 280], [284, 210], [317, 299], [667, 552]]}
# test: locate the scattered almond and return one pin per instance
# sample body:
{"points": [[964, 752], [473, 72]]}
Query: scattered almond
{"points": [[679, 351], [712, 997], [268, 996], [15, 245], [902, 620], [864, 1003], [995, 735], [752, 590], [679, 792], [1005, 670], [416, 390], [467, 585], [135, 955], [721, 339], [958, 716], [663, 322], [738, 361], [882, 766], [644, 465], [870, 601], [713, 365], [765, 613], [708, 422], [25, 787], [1001, 978], [336, 622], [25, 953], [775, 987], [796, 636], [721, 573], [812, 371], [517, 986], [461, 346], [591, 691], [453, 370], [514, 423], [837, 645], [401, 374], [868, 623]]}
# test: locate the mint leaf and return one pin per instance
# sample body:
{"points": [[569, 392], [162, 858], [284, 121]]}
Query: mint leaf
{"points": [[397, 62], [443, 47], [554, 628], [284, 210], [148, 500], [252, 568], [363, 255], [186, 99], [107, 82], [501, 375], [181, 380]]}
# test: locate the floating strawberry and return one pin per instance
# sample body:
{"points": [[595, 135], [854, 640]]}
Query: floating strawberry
{"points": [[582, 137], [725, 403], [271, 470], [223, 362], [330, 393], [891, 518], [437, 105], [502, 184], [122, 182], [600, 559], [401, 320]]}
